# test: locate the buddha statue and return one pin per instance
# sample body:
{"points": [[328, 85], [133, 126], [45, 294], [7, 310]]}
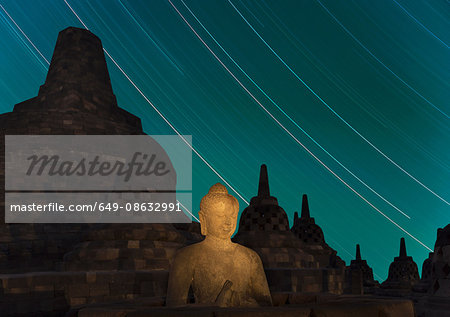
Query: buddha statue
{"points": [[221, 273]]}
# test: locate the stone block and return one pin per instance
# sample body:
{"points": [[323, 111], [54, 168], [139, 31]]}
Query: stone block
{"points": [[74, 277], [100, 312], [123, 288], [17, 282], [107, 254], [114, 298], [78, 290], [60, 303], [365, 308], [43, 288], [77, 301], [106, 277], [133, 244], [91, 277], [124, 277], [148, 289], [99, 290], [28, 306], [46, 305], [96, 299], [311, 288], [302, 298], [160, 276], [263, 312], [47, 278], [206, 312], [17, 290]]}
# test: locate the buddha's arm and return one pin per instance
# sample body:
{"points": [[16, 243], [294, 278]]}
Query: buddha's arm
{"points": [[260, 288], [180, 278]]}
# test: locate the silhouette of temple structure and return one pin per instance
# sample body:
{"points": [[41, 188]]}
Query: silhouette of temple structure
{"points": [[425, 279], [403, 274], [312, 238], [77, 98], [49, 269], [291, 264], [440, 264], [436, 302], [360, 265], [264, 227]]}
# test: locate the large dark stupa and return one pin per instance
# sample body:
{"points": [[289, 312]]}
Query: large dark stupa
{"points": [[77, 96], [77, 99]]}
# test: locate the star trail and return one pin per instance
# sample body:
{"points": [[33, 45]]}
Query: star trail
{"points": [[207, 69]]}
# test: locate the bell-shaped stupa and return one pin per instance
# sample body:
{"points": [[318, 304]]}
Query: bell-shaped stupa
{"points": [[403, 274], [312, 237], [77, 99], [264, 227], [358, 264]]}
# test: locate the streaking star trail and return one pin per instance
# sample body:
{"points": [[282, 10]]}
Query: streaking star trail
{"points": [[335, 113]]}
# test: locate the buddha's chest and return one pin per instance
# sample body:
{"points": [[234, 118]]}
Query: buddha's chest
{"points": [[214, 269]]}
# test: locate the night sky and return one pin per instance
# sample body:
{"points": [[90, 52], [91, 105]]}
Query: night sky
{"points": [[364, 85]]}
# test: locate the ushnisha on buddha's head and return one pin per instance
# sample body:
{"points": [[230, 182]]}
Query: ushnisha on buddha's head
{"points": [[218, 213]]}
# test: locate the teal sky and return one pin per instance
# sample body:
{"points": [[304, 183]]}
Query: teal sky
{"points": [[382, 67]]}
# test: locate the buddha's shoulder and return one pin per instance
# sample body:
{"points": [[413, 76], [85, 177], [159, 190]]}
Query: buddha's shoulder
{"points": [[240, 249], [189, 251]]}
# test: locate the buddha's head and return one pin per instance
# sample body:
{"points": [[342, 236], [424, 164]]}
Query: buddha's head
{"points": [[218, 213]]}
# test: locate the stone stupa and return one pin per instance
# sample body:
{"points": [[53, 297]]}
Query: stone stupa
{"points": [[425, 280], [313, 240], [436, 302], [403, 274], [77, 99], [358, 264], [264, 227]]}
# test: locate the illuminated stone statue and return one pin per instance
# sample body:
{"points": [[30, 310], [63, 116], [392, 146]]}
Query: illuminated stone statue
{"points": [[222, 273]]}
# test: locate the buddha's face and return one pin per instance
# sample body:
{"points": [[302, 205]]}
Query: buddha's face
{"points": [[220, 219]]}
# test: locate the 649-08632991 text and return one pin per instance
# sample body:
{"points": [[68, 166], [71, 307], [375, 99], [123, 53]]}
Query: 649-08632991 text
{"points": [[102, 207]]}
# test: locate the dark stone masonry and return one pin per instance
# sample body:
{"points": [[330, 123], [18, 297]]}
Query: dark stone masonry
{"points": [[403, 274], [122, 269], [360, 269]]}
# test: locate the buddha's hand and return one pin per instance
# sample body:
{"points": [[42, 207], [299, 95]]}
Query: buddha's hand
{"points": [[225, 295]]}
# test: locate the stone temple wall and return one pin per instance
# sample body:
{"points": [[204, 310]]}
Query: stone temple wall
{"points": [[57, 292], [76, 98], [40, 271]]}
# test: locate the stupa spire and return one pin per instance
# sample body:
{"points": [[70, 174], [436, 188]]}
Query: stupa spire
{"points": [[402, 248], [305, 207], [263, 188], [358, 253]]}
